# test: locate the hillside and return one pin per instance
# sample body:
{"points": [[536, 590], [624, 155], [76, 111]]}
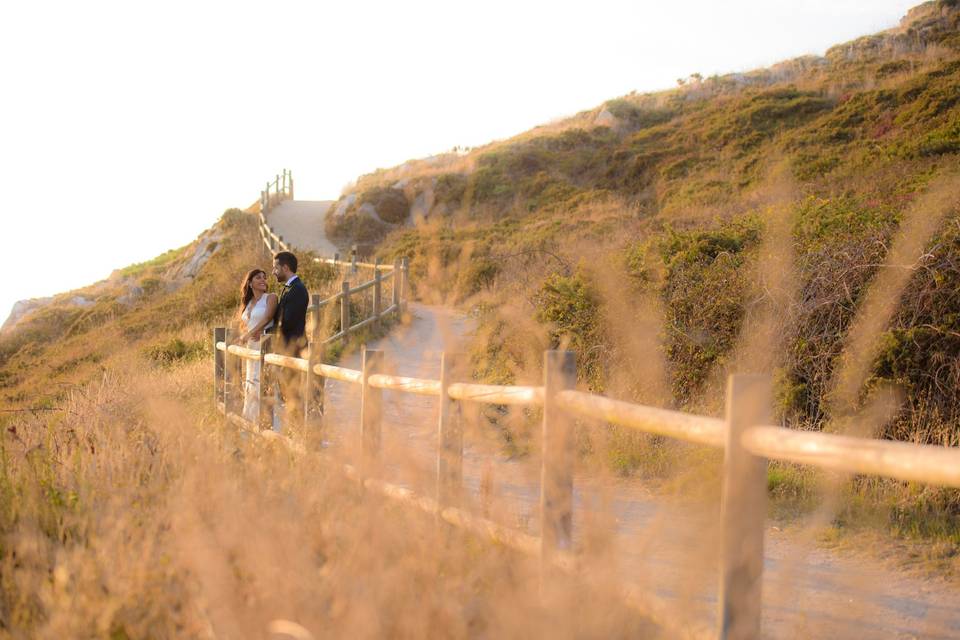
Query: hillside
{"points": [[129, 508], [801, 219], [159, 313], [652, 213]]}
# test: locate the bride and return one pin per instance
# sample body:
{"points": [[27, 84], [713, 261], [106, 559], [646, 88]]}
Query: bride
{"points": [[257, 308]]}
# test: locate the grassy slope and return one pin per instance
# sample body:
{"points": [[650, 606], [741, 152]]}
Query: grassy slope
{"points": [[64, 345], [123, 509], [645, 246], [130, 509]]}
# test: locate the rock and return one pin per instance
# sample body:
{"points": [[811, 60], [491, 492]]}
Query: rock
{"points": [[24, 307], [606, 119], [422, 206], [391, 205], [21, 308], [367, 210], [133, 294], [207, 245], [344, 205]]}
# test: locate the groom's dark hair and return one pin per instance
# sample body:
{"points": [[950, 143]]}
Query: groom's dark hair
{"points": [[288, 259]]}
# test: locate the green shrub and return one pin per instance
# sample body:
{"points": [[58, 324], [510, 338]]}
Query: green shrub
{"points": [[177, 351], [941, 141], [703, 291], [635, 116], [451, 187], [571, 305], [751, 120]]}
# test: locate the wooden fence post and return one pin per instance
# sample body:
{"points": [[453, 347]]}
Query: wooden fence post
{"points": [[233, 377], [312, 383], [370, 409], [290, 185], [353, 259], [265, 390], [345, 309], [743, 510], [556, 472], [450, 434], [376, 297], [405, 286], [219, 335], [396, 285]]}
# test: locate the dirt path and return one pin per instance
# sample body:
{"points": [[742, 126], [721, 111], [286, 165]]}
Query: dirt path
{"points": [[663, 546], [300, 223], [669, 548]]}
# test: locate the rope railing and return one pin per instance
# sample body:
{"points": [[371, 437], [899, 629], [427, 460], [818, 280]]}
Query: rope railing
{"points": [[746, 434]]}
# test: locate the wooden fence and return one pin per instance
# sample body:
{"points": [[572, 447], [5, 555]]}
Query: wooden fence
{"points": [[334, 312], [277, 191], [746, 434], [280, 189]]}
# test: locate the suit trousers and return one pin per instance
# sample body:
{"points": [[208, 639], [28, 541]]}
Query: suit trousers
{"points": [[291, 388]]}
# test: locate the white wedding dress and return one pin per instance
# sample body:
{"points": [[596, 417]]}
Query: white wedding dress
{"points": [[252, 315]]}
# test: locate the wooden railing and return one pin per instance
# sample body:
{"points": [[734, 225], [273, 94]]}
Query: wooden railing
{"points": [[746, 434], [280, 189], [321, 314]]}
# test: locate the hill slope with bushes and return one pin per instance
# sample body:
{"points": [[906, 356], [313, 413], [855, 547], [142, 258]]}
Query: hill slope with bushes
{"points": [[650, 214], [800, 220], [159, 312]]}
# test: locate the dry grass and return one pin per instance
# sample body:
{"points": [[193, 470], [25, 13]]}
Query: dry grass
{"points": [[135, 512]]}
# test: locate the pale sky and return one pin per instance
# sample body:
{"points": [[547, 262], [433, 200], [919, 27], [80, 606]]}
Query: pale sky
{"points": [[126, 128]]}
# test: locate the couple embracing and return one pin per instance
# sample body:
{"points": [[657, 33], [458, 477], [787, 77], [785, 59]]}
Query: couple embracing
{"points": [[285, 317]]}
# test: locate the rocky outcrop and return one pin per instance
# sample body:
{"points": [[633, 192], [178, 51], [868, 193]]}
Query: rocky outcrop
{"points": [[929, 24], [344, 204], [206, 246], [21, 308], [606, 119], [423, 204]]}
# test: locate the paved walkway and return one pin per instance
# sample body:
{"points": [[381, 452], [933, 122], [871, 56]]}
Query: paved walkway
{"points": [[300, 224]]}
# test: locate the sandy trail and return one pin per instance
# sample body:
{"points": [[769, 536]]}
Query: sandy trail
{"points": [[300, 224]]}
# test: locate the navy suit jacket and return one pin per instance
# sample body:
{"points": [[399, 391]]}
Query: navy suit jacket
{"points": [[291, 317]]}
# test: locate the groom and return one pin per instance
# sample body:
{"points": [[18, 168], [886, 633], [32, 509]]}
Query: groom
{"points": [[291, 315], [290, 327]]}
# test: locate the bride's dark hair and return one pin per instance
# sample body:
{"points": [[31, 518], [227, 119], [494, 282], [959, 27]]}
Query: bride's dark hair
{"points": [[246, 290]]}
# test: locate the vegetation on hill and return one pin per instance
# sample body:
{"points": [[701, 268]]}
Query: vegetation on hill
{"points": [[652, 214], [752, 221], [164, 309], [130, 509]]}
